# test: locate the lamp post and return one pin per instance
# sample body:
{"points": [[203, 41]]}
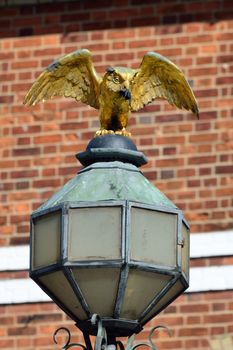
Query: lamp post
{"points": [[110, 243]]}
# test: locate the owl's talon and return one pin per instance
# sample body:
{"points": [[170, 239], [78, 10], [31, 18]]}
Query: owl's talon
{"points": [[102, 132], [123, 132], [97, 133]]}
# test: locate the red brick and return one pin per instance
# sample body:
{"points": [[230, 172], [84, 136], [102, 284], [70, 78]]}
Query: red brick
{"points": [[20, 152], [203, 138], [202, 71], [24, 64], [194, 320], [46, 183], [27, 129], [7, 343], [163, 163], [141, 43], [7, 76], [24, 173], [202, 160], [226, 169], [202, 38], [218, 318], [170, 140], [119, 56], [24, 343], [191, 344], [21, 331], [47, 139], [224, 191], [224, 80], [47, 52], [121, 34], [190, 308], [217, 330], [193, 331]]}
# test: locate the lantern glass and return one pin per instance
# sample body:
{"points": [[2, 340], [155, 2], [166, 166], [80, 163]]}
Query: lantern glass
{"points": [[46, 240], [141, 288], [94, 233], [153, 236], [58, 285], [174, 291], [99, 286]]}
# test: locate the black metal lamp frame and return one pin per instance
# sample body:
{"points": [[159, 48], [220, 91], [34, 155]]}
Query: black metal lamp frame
{"points": [[115, 325]]}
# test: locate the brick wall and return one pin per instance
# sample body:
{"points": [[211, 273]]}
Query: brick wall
{"points": [[195, 321], [189, 160]]}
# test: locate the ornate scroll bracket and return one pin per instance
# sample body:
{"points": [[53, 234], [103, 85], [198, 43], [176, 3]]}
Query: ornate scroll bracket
{"points": [[150, 344], [67, 345], [101, 341]]}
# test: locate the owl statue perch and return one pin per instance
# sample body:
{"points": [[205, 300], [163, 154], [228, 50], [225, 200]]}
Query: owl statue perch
{"points": [[118, 92]]}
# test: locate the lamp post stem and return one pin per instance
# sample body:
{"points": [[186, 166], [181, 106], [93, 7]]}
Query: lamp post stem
{"points": [[87, 341], [112, 343]]}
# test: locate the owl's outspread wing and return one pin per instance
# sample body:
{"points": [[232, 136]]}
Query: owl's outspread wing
{"points": [[72, 75], [158, 77]]}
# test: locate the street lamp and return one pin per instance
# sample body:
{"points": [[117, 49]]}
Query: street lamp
{"points": [[110, 243]]}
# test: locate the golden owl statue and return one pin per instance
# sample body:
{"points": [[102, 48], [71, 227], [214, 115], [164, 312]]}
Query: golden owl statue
{"points": [[118, 92]]}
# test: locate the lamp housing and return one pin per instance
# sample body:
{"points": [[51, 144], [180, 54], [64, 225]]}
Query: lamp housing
{"points": [[110, 243]]}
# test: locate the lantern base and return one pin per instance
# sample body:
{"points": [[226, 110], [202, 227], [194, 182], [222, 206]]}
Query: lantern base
{"points": [[114, 328], [108, 148], [104, 339]]}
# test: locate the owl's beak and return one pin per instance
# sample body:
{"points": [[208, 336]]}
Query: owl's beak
{"points": [[126, 94]]}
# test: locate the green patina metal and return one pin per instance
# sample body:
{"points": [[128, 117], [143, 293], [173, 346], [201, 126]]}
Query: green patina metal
{"points": [[109, 181]]}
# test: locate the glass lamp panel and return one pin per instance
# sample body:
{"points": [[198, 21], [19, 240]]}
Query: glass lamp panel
{"points": [[185, 251], [94, 233], [141, 288], [173, 292], [153, 237], [58, 285], [46, 240], [99, 287]]}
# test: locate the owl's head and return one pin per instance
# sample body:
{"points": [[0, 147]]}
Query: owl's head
{"points": [[119, 79]]}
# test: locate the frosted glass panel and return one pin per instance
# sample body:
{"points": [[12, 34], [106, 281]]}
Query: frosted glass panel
{"points": [[185, 251], [46, 240], [57, 284], [153, 237], [99, 287], [174, 291], [141, 289], [94, 233]]}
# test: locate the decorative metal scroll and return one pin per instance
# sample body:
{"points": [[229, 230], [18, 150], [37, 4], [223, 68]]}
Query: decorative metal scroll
{"points": [[149, 344], [101, 342], [67, 345]]}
